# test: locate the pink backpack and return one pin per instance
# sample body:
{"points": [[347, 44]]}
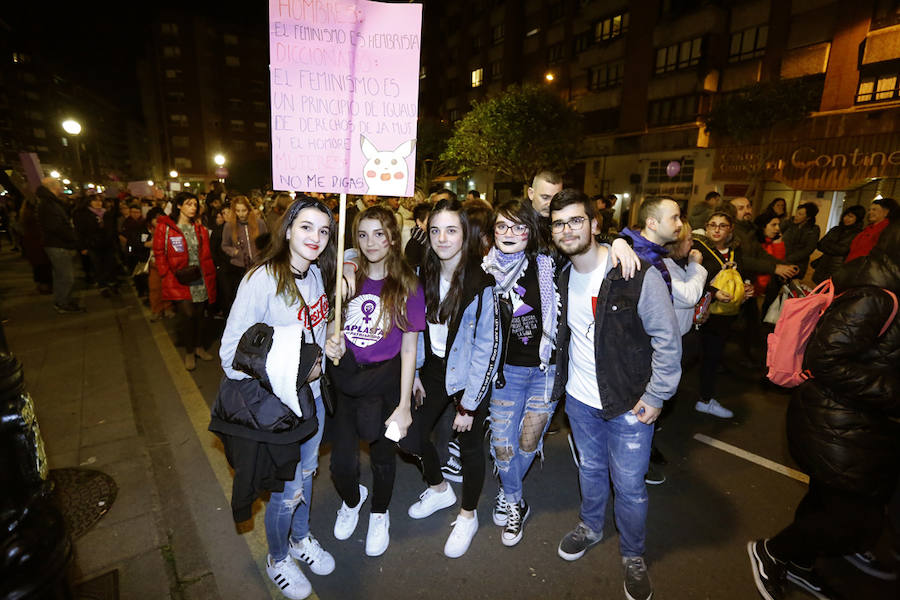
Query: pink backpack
{"points": [[795, 326]]}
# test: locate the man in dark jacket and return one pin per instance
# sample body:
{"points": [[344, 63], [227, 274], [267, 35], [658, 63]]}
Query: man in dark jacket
{"points": [[618, 360], [843, 427], [800, 235], [59, 241]]}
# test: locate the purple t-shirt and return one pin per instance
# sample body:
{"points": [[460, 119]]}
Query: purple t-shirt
{"points": [[364, 331]]}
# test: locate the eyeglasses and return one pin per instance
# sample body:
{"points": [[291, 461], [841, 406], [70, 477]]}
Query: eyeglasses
{"points": [[518, 228], [575, 224], [718, 225]]}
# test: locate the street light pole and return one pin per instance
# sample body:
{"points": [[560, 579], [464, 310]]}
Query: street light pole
{"points": [[73, 128]]}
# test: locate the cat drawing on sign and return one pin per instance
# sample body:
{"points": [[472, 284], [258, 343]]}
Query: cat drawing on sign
{"points": [[386, 172]]}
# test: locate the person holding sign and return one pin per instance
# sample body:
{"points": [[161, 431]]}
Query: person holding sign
{"points": [[374, 380], [457, 360], [291, 283]]}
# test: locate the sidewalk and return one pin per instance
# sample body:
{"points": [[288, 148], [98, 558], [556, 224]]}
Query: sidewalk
{"points": [[103, 402]]}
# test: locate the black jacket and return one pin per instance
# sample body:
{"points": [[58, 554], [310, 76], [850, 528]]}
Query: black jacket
{"points": [[93, 234], [754, 260], [844, 423], [53, 218], [799, 242], [834, 246]]}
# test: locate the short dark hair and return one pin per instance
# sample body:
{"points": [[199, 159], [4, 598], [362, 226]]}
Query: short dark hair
{"points": [[550, 177], [475, 194], [650, 208], [724, 214], [811, 210], [569, 196], [521, 212], [421, 210], [712, 194]]}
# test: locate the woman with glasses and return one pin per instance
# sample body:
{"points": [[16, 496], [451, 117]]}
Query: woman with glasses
{"points": [[520, 406], [718, 252]]}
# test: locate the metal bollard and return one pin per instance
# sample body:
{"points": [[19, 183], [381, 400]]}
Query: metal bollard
{"points": [[35, 549]]}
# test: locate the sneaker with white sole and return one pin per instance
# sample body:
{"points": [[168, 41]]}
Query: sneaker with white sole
{"points": [[712, 407], [637, 580], [453, 448], [310, 551], [431, 501], [869, 564], [289, 578], [500, 509], [575, 543], [811, 581], [461, 537], [452, 470], [768, 573], [378, 538], [516, 514], [348, 517]]}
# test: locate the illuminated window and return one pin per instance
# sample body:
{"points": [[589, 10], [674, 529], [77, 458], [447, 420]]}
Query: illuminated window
{"points": [[679, 56], [877, 88], [477, 77], [611, 27]]}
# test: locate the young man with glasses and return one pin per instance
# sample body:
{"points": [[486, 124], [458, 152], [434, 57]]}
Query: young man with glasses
{"points": [[618, 360]]}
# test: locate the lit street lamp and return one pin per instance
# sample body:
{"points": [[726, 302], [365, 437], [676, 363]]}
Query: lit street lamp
{"points": [[549, 77], [73, 128], [54, 174], [219, 159], [173, 173], [150, 182]]}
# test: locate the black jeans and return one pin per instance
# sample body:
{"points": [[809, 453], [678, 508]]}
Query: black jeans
{"points": [[829, 522], [471, 443], [366, 398], [191, 325], [713, 335]]}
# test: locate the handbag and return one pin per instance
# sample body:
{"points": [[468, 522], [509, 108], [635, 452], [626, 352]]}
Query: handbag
{"points": [[729, 281], [701, 309], [188, 275], [142, 268], [329, 394]]}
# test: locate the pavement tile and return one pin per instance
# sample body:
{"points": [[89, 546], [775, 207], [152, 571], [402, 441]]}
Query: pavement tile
{"points": [[203, 589], [108, 431], [62, 460], [136, 493], [103, 547], [144, 576], [103, 454]]}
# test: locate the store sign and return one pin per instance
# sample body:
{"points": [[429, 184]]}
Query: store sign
{"points": [[815, 165]]}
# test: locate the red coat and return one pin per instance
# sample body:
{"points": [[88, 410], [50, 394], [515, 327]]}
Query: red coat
{"points": [[866, 239], [173, 256]]}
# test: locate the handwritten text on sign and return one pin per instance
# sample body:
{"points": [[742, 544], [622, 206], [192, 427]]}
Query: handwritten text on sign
{"points": [[345, 86]]}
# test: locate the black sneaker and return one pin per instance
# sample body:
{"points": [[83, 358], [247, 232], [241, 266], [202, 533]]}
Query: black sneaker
{"points": [[577, 541], [654, 475], [637, 580], [500, 509], [516, 514], [767, 572], [452, 471], [869, 564], [656, 456], [811, 581], [453, 448]]}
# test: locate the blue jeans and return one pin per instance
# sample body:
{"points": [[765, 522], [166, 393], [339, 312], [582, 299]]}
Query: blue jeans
{"points": [[520, 415], [287, 512], [63, 274], [617, 449]]}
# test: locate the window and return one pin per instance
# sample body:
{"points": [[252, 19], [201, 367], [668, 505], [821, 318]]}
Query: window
{"points": [[878, 88], [657, 172], [498, 33], [169, 29], [669, 111], [238, 145], [173, 73], [183, 163], [476, 42], [35, 115], [611, 27], [750, 43], [171, 51], [237, 124], [39, 133], [679, 56], [232, 61], [259, 105], [532, 31], [230, 39], [477, 77], [582, 42], [606, 75], [235, 103], [556, 53], [179, 120], [175, 97], [181, 141], [496, 70]]}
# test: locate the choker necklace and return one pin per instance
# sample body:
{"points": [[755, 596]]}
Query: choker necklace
{"points": [[300, 275]]}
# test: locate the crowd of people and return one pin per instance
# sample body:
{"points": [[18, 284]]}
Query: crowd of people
{"points": [[459, 317]]}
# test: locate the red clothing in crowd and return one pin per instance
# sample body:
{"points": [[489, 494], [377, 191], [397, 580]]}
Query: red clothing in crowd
{"points": [[173, 256], [777, 249], [863, 243]]}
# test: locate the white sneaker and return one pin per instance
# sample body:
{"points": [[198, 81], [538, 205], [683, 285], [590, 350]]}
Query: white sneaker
{"points": [[463, 531], [378, 538], [431, 501], [348, 517], [713, 408], [289, 578], [320, 561]]}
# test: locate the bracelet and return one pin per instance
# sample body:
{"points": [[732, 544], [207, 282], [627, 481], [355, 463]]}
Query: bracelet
{"points": [[464, 412], [355, 268]]}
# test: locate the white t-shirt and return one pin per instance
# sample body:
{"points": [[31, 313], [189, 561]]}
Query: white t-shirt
{"points": [[437, 332], [583, 290]]}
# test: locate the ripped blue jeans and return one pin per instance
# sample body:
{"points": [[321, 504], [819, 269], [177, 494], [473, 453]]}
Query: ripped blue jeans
{"points": [[520, 415], [287, 512], [617, 449]]}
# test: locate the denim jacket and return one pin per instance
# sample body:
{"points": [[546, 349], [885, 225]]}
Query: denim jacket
{"points": [[474, 352]]}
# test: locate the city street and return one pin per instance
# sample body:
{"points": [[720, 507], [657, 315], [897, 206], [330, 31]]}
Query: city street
{"points": [[111, 394]]}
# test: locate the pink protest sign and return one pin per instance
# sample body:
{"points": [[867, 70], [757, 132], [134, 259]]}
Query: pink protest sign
{"points": [[345, 86]]}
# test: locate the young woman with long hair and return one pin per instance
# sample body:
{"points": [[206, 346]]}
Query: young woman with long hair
{"points": [[241, 230], [521, 404], [290, 284], [374, 380], [184, 261], [457, 361]]}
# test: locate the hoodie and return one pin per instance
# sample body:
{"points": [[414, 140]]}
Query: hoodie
{"points": [[651, 252]]}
